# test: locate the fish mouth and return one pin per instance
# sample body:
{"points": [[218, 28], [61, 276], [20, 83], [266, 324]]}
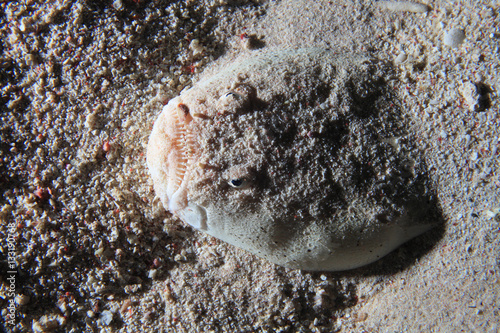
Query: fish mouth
{"points": [[171, 152], [182, 143]]}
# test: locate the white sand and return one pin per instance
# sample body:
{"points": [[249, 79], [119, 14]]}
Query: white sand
{"points": [[81, 85]]}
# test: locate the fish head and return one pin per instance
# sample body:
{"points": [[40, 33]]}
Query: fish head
{"points": [[193, 160]]}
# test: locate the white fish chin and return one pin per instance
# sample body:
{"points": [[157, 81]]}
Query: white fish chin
{"points": [[194, 215]]}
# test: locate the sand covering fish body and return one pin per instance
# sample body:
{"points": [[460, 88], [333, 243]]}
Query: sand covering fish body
{"points": [[298, 156]]}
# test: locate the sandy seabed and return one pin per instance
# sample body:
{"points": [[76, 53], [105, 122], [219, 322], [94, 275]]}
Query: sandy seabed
{"points": [[85, 246]]}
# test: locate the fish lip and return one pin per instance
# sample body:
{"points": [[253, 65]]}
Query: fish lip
{"points": [[170, 154]]}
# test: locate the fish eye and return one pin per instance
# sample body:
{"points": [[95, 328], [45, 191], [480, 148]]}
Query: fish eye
{"points": [[231, 94], [238, 182]]}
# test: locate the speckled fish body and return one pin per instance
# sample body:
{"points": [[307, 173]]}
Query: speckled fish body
{"points": [[298, 156]]}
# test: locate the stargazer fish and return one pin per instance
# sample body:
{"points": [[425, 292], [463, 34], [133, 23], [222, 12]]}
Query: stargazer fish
{"points": [[300, 156]]}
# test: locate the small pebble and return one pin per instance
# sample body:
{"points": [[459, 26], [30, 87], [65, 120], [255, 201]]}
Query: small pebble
{"points": [[400, 58], [403, 6], [196, 47], [106, 146], [106, 317], [493, 214], [91, 121], [152, 273], [25, 24], [470, 93], [126, 304], [474, 156], [454, 37], [117, 4]]}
